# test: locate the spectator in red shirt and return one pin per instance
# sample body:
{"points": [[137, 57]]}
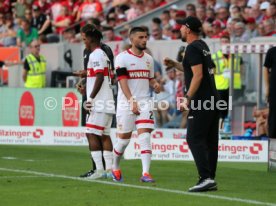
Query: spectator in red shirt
{"points": [[55, 8], [217, 27], [43, 5], [72, 7], [159, 3], [4, 6], [63, 21], [110, 35], [202, 2], [89, 9]]}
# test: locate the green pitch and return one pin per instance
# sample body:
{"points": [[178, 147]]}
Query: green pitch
{"points": [[46, 175]]}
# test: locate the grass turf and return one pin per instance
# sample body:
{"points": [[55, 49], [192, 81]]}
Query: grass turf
{"points": [[249, 181]]}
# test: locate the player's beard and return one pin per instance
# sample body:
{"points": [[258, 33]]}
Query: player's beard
{"points": [[141, 47]]}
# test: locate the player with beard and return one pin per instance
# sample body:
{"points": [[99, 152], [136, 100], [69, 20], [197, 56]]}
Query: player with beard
{"points": [[135, 73], [202, 124]]}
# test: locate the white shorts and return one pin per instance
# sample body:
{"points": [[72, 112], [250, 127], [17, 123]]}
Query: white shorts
{"points": [[98, 123], [127, 122]]}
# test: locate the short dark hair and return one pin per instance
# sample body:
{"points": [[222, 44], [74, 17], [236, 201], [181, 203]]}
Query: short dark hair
{"points": [[146, 29], [90, 31], [25, 20], [108, 28], [192, 6], [166, 12], [137, 29], [156, 20], [96, 22]]}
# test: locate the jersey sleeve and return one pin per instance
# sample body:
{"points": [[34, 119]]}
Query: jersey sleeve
{"points": [[120, 68], [97, 62], [151, 69]]}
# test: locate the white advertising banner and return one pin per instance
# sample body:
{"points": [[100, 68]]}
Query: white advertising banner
{"points": [[167, 144], [178, 149], [66, 135], [42, 135]]}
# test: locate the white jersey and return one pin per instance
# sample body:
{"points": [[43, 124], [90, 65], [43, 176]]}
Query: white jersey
{"points": [[99, 63], [139, 70]]}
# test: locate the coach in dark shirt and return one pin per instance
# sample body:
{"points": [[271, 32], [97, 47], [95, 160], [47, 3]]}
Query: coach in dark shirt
{"points": [[270, 83], [203, 119]]}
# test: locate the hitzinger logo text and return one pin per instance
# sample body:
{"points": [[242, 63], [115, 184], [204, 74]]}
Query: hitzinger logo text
{"points": [[255, 149], [21, 134]]}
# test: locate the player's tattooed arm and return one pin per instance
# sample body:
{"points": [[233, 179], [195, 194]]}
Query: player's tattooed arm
{"points": [[171, 63]]}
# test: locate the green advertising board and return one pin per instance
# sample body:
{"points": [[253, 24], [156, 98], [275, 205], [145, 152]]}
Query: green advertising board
{"points": [[40, 107]]}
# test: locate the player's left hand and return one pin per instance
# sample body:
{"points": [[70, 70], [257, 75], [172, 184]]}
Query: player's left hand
{"points": [[157, 88]]}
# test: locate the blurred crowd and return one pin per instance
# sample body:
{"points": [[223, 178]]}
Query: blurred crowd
{"points": [[241, 20], [21, 21]]}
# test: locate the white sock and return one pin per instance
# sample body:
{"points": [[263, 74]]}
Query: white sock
{"points": [[145, 146], [108, 158], [98, 159], [118, 151]]}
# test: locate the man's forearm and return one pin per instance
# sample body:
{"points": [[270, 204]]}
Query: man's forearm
{"points": [[97, 86], [125, 89]]}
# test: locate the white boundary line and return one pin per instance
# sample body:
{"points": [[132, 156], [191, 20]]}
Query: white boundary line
{"points": [[255, 202], [10, 177]]}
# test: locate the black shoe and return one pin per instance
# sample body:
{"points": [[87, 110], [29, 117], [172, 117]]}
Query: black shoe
{"points": [[204, 185], [88, 174]]}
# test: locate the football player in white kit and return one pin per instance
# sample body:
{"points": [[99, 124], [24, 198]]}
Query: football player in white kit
{"points": [[102, 106], [135, 73]]}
